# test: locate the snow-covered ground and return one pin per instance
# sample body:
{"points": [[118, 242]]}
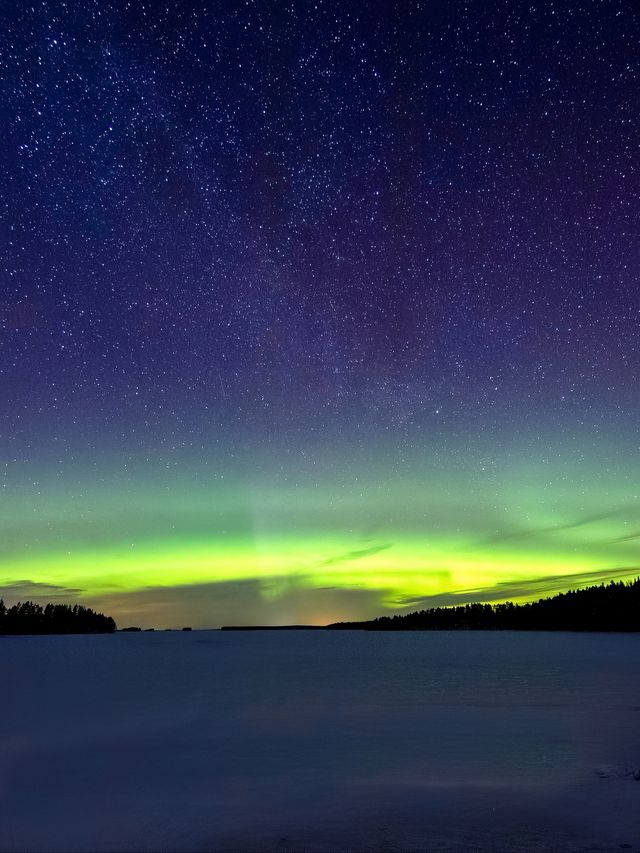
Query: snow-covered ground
{"points": [[319, 741]]}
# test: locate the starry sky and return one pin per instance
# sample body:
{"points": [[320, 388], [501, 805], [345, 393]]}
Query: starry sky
{"points": [[317, 310]]}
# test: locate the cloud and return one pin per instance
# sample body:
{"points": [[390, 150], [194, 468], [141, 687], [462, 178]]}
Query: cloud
{"points": [[629, 537], [631, 510], [26, 590], [553, 528], [519, 589], [357, 554], [211, 605]]}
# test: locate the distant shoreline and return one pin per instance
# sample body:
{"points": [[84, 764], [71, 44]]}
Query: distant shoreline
{"points": [[410, 630], [613, 607], [275, 628], [608, 608]]}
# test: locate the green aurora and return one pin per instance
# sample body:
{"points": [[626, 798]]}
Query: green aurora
{"points": [[319, 535], [320, 312]]}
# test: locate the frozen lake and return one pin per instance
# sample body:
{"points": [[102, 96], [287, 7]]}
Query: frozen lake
{"points": [[320, 741]]}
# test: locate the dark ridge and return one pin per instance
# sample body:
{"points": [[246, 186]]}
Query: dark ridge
{"points": [[30, 618], [608, 607]]}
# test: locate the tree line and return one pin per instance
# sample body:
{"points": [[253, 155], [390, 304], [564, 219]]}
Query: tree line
{"points": [[608, 607], [30, 618]]}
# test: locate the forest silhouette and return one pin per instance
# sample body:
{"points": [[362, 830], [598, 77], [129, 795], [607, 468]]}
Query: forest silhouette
{"points": [[31, 618], [608, 607]]}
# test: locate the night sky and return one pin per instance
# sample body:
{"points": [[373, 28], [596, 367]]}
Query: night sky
{"points": [[317, 310]]}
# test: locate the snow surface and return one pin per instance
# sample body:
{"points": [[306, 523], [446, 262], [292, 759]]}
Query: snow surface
{"points": [[320, 741]]}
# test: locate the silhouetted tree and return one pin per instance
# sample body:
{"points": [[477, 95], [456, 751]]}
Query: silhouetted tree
{"points": [[30, 618], [608, 607]]}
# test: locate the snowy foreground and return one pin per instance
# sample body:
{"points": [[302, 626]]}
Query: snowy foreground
{"points": [[320, 741]]}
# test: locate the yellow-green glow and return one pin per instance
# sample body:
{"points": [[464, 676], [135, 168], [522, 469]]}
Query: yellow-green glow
{"points": [[319, 544], [411, 568]]}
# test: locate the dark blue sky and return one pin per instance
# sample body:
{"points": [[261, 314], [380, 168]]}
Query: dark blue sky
{"points": [[242, 225], [244, 206]]}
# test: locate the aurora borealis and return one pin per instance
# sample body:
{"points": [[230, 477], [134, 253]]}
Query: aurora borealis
{"points": [[314, 313], [325, 537]]}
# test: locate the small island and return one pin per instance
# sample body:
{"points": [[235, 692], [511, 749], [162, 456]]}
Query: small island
{"points": [[30, 618]]}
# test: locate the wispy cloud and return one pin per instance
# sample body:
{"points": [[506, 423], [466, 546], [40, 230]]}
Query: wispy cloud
{"points": [[356, 554], [628, 537], [519, 589], [626, 511], [24, 590]]}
